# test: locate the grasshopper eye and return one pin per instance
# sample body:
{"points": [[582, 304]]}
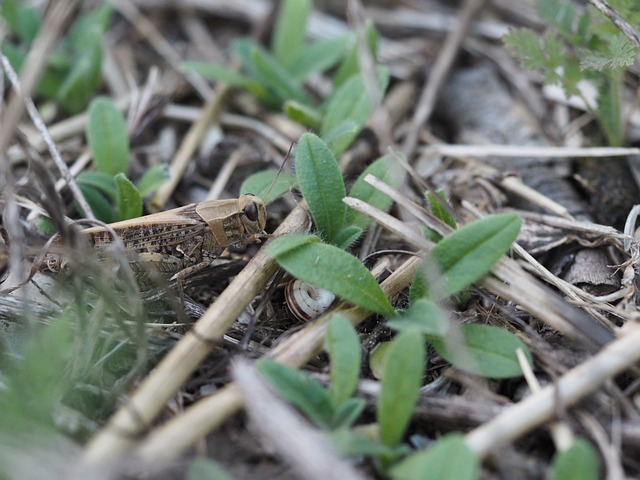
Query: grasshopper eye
{"points": [[251, 211]]}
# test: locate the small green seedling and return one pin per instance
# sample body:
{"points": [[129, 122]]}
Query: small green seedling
{"points": [[580, 45], [73, 71], [278, 76]]}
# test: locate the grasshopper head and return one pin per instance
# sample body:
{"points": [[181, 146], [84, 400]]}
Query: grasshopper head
{"points": [[253, 213]]}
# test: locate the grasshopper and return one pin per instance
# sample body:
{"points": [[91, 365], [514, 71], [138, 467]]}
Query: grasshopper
{"points": [[179, 242]]}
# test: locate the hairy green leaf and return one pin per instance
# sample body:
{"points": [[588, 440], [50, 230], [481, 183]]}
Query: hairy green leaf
{"points": [[321, 184], [401, 379], [482, 350], [330, 268], [467, 254]]}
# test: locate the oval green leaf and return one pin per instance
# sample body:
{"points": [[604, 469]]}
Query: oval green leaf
{"points": [[482, 350], [347, 236], [290, 31], [107, 136], [343, 347], [128, 199], [351, 102], [306, 393], [319, 56], [152, 179], [448, 459], [467, 254], [283, 245], [302, 114], [321, 184], [262, 182], [578, 462], [401, 379], [100, 181], [330, 268], [100, 206], [276, 78], [424, 316]]}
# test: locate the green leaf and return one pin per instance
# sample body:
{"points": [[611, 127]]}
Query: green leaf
{"points": [[21, 19], [299, 389], [436, 205], [128, 199], [259, 184], [321, 184], [90, 27], [341, 136], [385, 169], [482, 350], [350, 65], [223, 73], [467, 254], [377, 359], [424, 316], [202, 468], [418, 288], [578, 462], [343, 347], [107, 136], [351, 102], [330, 268], [608, 109], [448, 459], [347, 236], [289, 32], [100, 181], [347, 413], [283, 245], [356, 444], [302, 114], [84, 46], [100, 206], [319, 56], [401, 379], [82, 79], [33, 389], [276, 78], [152, 179]]}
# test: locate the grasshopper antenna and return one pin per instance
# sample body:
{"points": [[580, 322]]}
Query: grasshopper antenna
{"points": [[273, 182]]}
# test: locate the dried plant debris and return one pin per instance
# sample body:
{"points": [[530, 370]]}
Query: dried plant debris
{"points": [[404, 230]]}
